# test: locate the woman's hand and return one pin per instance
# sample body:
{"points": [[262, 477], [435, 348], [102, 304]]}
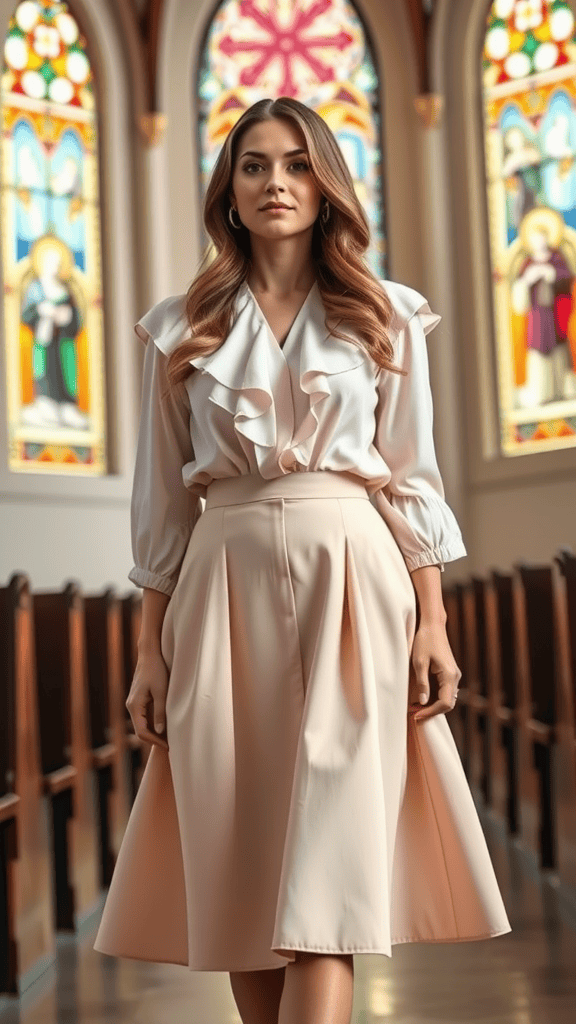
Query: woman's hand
{"points": [[149, 687], [431, 652]]}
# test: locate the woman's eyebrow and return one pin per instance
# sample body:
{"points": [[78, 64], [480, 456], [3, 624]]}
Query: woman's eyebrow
{"points": [[253, 152]]}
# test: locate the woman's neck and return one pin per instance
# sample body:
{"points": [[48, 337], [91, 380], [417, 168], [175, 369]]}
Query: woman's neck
{"points": [[281, 268]]}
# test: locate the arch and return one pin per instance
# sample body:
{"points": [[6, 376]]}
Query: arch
{"points": [[178, 194], [319, 54]]}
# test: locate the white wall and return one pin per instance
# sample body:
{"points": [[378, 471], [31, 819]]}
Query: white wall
{"points": [[96, 540]]}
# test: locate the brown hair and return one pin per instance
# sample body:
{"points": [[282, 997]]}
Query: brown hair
{"points": [[348, 288]]}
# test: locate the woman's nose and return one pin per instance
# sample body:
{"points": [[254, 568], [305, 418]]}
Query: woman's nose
{"points": [[275, 179]]}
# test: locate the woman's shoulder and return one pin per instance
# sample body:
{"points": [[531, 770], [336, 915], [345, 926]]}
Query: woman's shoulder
{"points": [[407, 301], [165, 322]]}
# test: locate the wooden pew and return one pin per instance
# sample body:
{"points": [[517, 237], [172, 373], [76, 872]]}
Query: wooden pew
{"points": [[450, 601], [494, 693], [138, 750], [103, 622], [66, 752], [503, 670], [471, 704], [483, 696], [564, 579], [537, 709], [27, 940], [459, 717], [566, 561]]}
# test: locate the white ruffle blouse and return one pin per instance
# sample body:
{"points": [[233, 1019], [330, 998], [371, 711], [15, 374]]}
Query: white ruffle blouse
{"points": [[314, 403]]}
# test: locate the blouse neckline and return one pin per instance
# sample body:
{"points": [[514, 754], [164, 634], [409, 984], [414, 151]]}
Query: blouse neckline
{"points": [[295, 323]]}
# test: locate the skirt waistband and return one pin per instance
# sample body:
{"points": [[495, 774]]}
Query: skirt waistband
{"points": [[233, 490]]}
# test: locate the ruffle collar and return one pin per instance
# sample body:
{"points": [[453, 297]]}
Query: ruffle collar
{"points": [[247, 364], [238, 363]]}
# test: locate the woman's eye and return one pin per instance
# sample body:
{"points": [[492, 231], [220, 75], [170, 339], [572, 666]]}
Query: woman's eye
{"points": [[297, 163]]}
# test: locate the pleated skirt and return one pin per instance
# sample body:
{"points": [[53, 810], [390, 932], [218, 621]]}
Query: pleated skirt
{"points": [[299, 806]]}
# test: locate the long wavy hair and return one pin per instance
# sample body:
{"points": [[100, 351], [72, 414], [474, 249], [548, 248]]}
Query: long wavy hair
{"points": [[349, 290]]}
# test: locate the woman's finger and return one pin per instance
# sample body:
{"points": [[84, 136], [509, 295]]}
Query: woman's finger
{"points": [[439, 707], [421, 665], [140, 720], [159, 711], [412, 686], [445, 701]]}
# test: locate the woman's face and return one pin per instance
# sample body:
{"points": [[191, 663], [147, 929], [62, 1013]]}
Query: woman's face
{"points": [[272, 166]]}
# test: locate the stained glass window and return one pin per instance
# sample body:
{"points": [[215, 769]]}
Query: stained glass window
{"points": [[51, 260], [313, 50], [529, 86]]}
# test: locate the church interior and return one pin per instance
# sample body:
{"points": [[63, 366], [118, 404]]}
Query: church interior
{"points": [[448, 115]]}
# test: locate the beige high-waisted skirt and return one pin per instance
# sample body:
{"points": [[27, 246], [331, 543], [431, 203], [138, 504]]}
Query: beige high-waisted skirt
{"points": [[299, 806]]}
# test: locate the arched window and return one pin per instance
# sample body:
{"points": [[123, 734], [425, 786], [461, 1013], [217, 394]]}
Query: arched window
{"points": [[316, 51], [529, 87], [51, 258]]}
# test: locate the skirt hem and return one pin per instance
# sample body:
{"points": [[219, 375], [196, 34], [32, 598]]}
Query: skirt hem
{"points": [[457, 938], [393, 942], [360, 950], [319, 949]]}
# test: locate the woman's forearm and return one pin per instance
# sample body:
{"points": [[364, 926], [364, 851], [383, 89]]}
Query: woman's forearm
{"points": [[428, 587], [154, 604]]}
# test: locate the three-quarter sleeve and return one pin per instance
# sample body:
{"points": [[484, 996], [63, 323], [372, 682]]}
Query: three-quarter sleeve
{"points": [[163, 510], [413, 503]]}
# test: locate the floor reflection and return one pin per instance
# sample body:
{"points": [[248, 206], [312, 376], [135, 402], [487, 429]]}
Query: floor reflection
{"points": [[525, 977]]}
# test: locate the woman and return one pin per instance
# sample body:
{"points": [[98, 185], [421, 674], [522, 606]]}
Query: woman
{"points": [[298, 805]]}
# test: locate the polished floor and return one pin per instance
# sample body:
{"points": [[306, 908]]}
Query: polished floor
{"points": [[525, 977]]}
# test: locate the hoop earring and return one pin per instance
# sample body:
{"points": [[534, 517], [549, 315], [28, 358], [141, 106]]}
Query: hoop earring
{"points": [[232, 210]]}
